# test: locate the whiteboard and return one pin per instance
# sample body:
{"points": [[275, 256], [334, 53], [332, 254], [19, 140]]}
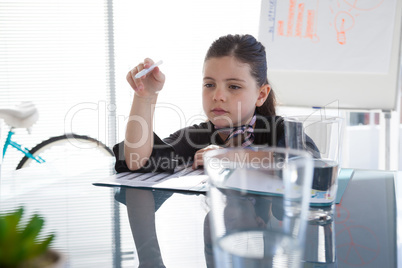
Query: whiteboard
{"points": [[322, 52]]}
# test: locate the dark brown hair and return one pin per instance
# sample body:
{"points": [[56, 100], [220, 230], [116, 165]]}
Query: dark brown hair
{"points": [[246, 49]]}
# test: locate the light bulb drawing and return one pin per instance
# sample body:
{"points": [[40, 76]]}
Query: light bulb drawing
{"points": [[343, 22]]}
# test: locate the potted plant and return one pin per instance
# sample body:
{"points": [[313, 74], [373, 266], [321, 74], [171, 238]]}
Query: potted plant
{"points": [[20, 244]]}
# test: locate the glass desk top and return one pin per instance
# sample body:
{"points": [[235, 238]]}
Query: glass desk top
{"points": [[92, 229]]}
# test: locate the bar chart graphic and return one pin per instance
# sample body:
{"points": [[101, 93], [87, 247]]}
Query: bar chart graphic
{"points": [[300, 20]]}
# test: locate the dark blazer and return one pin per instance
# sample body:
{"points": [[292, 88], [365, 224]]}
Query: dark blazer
{"points": [[181, 146]]}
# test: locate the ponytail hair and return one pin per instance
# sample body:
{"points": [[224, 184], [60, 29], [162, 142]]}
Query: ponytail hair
{"points": [[246, 49]]}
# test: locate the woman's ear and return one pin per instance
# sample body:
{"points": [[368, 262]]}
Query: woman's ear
{"points": [[264, 92]]}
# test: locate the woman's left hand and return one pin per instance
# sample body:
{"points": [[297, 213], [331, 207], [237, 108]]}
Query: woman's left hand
{"points": [[198, 157]]}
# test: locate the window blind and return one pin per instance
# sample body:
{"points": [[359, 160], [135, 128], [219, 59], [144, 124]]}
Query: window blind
{"points": [[56, 55], [59, 55]]}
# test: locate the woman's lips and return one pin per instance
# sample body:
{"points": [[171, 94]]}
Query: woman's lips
{"points": [[218, 111]]}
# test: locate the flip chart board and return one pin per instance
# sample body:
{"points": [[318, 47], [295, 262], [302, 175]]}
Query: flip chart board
{"points": [[343, 53]]}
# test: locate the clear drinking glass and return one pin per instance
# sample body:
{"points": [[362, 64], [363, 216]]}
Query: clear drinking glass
{"points": [[322, 138], [259, 200]]}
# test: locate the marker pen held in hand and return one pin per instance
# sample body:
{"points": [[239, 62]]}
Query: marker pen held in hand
{"points": [[145, 71]]}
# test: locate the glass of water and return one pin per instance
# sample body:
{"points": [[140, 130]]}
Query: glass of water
{"points": [[259, 200], [321, 137]]}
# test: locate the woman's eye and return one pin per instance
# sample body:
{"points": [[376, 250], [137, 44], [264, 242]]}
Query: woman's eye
{"points": [[208, 85], [234, 87]]}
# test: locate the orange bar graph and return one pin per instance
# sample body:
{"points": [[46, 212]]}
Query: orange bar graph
{"points": [[310, 24], [299, 20], [281, 30], [291, 15]]}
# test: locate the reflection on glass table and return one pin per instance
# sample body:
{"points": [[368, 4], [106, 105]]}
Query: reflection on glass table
{"points": [[84, 219], [362, 234]]}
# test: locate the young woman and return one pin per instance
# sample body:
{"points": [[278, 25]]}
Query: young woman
{"points": [[240, 106], [237, 100]]}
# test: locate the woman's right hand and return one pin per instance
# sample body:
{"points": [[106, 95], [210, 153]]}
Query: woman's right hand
{"points": [[149, 84], [199, 155]]}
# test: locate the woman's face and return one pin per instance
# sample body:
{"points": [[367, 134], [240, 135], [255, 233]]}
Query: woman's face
{"points": [[230, 93]]}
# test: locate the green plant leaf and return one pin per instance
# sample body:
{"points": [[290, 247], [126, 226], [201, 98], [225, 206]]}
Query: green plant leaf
{"points": [[3, 230], [33, 228], [10, 221], [41, 247], [9, 237], [20, 243]]}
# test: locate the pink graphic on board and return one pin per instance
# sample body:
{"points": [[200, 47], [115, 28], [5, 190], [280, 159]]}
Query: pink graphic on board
{"points": [[301, 18]]}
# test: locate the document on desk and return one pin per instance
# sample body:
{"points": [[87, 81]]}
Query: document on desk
{"points": [[183, 179], [187, 179]]}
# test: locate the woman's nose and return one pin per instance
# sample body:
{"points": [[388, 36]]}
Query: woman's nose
{"points": [[219, 94]]}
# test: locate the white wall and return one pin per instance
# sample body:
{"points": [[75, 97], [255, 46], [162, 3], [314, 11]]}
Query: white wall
{"points": [[362, 147]]}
